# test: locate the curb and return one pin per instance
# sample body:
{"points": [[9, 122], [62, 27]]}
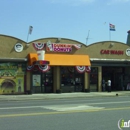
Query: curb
{"points": [[31, 97]]}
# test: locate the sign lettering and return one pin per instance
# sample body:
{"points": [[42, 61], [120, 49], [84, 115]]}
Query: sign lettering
{"points": [[113, 52]]}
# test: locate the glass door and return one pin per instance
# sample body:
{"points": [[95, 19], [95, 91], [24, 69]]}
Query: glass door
{"points": [[71, 80], [67, 79], [47, 82], [79, 82]]}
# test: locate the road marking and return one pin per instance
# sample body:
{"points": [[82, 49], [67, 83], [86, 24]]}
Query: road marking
{"points": [[71, 107], [109, 102], [25, 107], [80, 100], [57, 107], [63, 112], [29, 107]]}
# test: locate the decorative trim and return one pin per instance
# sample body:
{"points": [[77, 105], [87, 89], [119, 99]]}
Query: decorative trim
{"points": [[81, 69], [44, 68], [88, 69], [38, 46], [29, 68]]}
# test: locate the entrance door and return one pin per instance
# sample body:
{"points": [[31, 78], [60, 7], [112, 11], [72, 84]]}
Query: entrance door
{"points": [[115, 74], [94, 79], [79, 82], [42, 82], [71, 80], [47, 82]]}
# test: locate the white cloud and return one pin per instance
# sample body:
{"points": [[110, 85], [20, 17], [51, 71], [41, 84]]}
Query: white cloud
{"points": [[117, 1], [73, 2], [87, 1], [122, 0]]}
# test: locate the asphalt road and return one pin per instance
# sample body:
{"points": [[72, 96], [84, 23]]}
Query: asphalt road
{"points": [[65, 114]]}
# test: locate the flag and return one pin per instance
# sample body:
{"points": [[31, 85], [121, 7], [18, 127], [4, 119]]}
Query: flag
{"points": [[30, 29], [112, 27]]}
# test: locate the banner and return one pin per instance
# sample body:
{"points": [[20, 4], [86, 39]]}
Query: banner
{"points": [[82, 69]]}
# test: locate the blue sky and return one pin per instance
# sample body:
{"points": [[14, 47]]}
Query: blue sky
{"points": [[72, 19]]}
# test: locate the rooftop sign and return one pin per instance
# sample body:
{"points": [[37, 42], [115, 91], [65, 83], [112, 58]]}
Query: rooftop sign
{"points": [[112, 52]]}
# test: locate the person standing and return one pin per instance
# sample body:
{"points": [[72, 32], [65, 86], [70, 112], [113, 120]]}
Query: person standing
{"points": [[128, 86], [104, 85], [109, 85]]}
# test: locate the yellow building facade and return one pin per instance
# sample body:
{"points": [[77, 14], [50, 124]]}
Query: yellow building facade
{"points": [[68, 65]]}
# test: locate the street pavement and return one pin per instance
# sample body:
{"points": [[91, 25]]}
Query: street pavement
{"points": [[63, 95]]}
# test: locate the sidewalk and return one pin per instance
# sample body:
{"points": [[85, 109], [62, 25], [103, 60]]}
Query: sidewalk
{"points": [[63, 95]]}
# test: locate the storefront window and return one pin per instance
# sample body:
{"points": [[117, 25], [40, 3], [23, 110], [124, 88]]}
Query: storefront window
{"points": [[94, 75], [47, 78], [94, 79], [67, 76], [36, 80], [71, 80]]}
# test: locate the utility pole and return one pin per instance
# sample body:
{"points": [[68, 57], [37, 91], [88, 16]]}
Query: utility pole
{"points": [[87, 37]]}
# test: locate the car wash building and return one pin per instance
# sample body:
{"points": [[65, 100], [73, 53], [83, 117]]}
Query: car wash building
{"points": [[55, 65], [110, 60]]}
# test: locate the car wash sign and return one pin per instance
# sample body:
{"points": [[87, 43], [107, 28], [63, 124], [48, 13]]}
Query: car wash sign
{"points": [[112, 52]]}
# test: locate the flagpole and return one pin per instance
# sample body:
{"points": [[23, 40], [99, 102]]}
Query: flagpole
{"points": [[27, 36], [109, 35], [111, 28], [29, 32]]}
